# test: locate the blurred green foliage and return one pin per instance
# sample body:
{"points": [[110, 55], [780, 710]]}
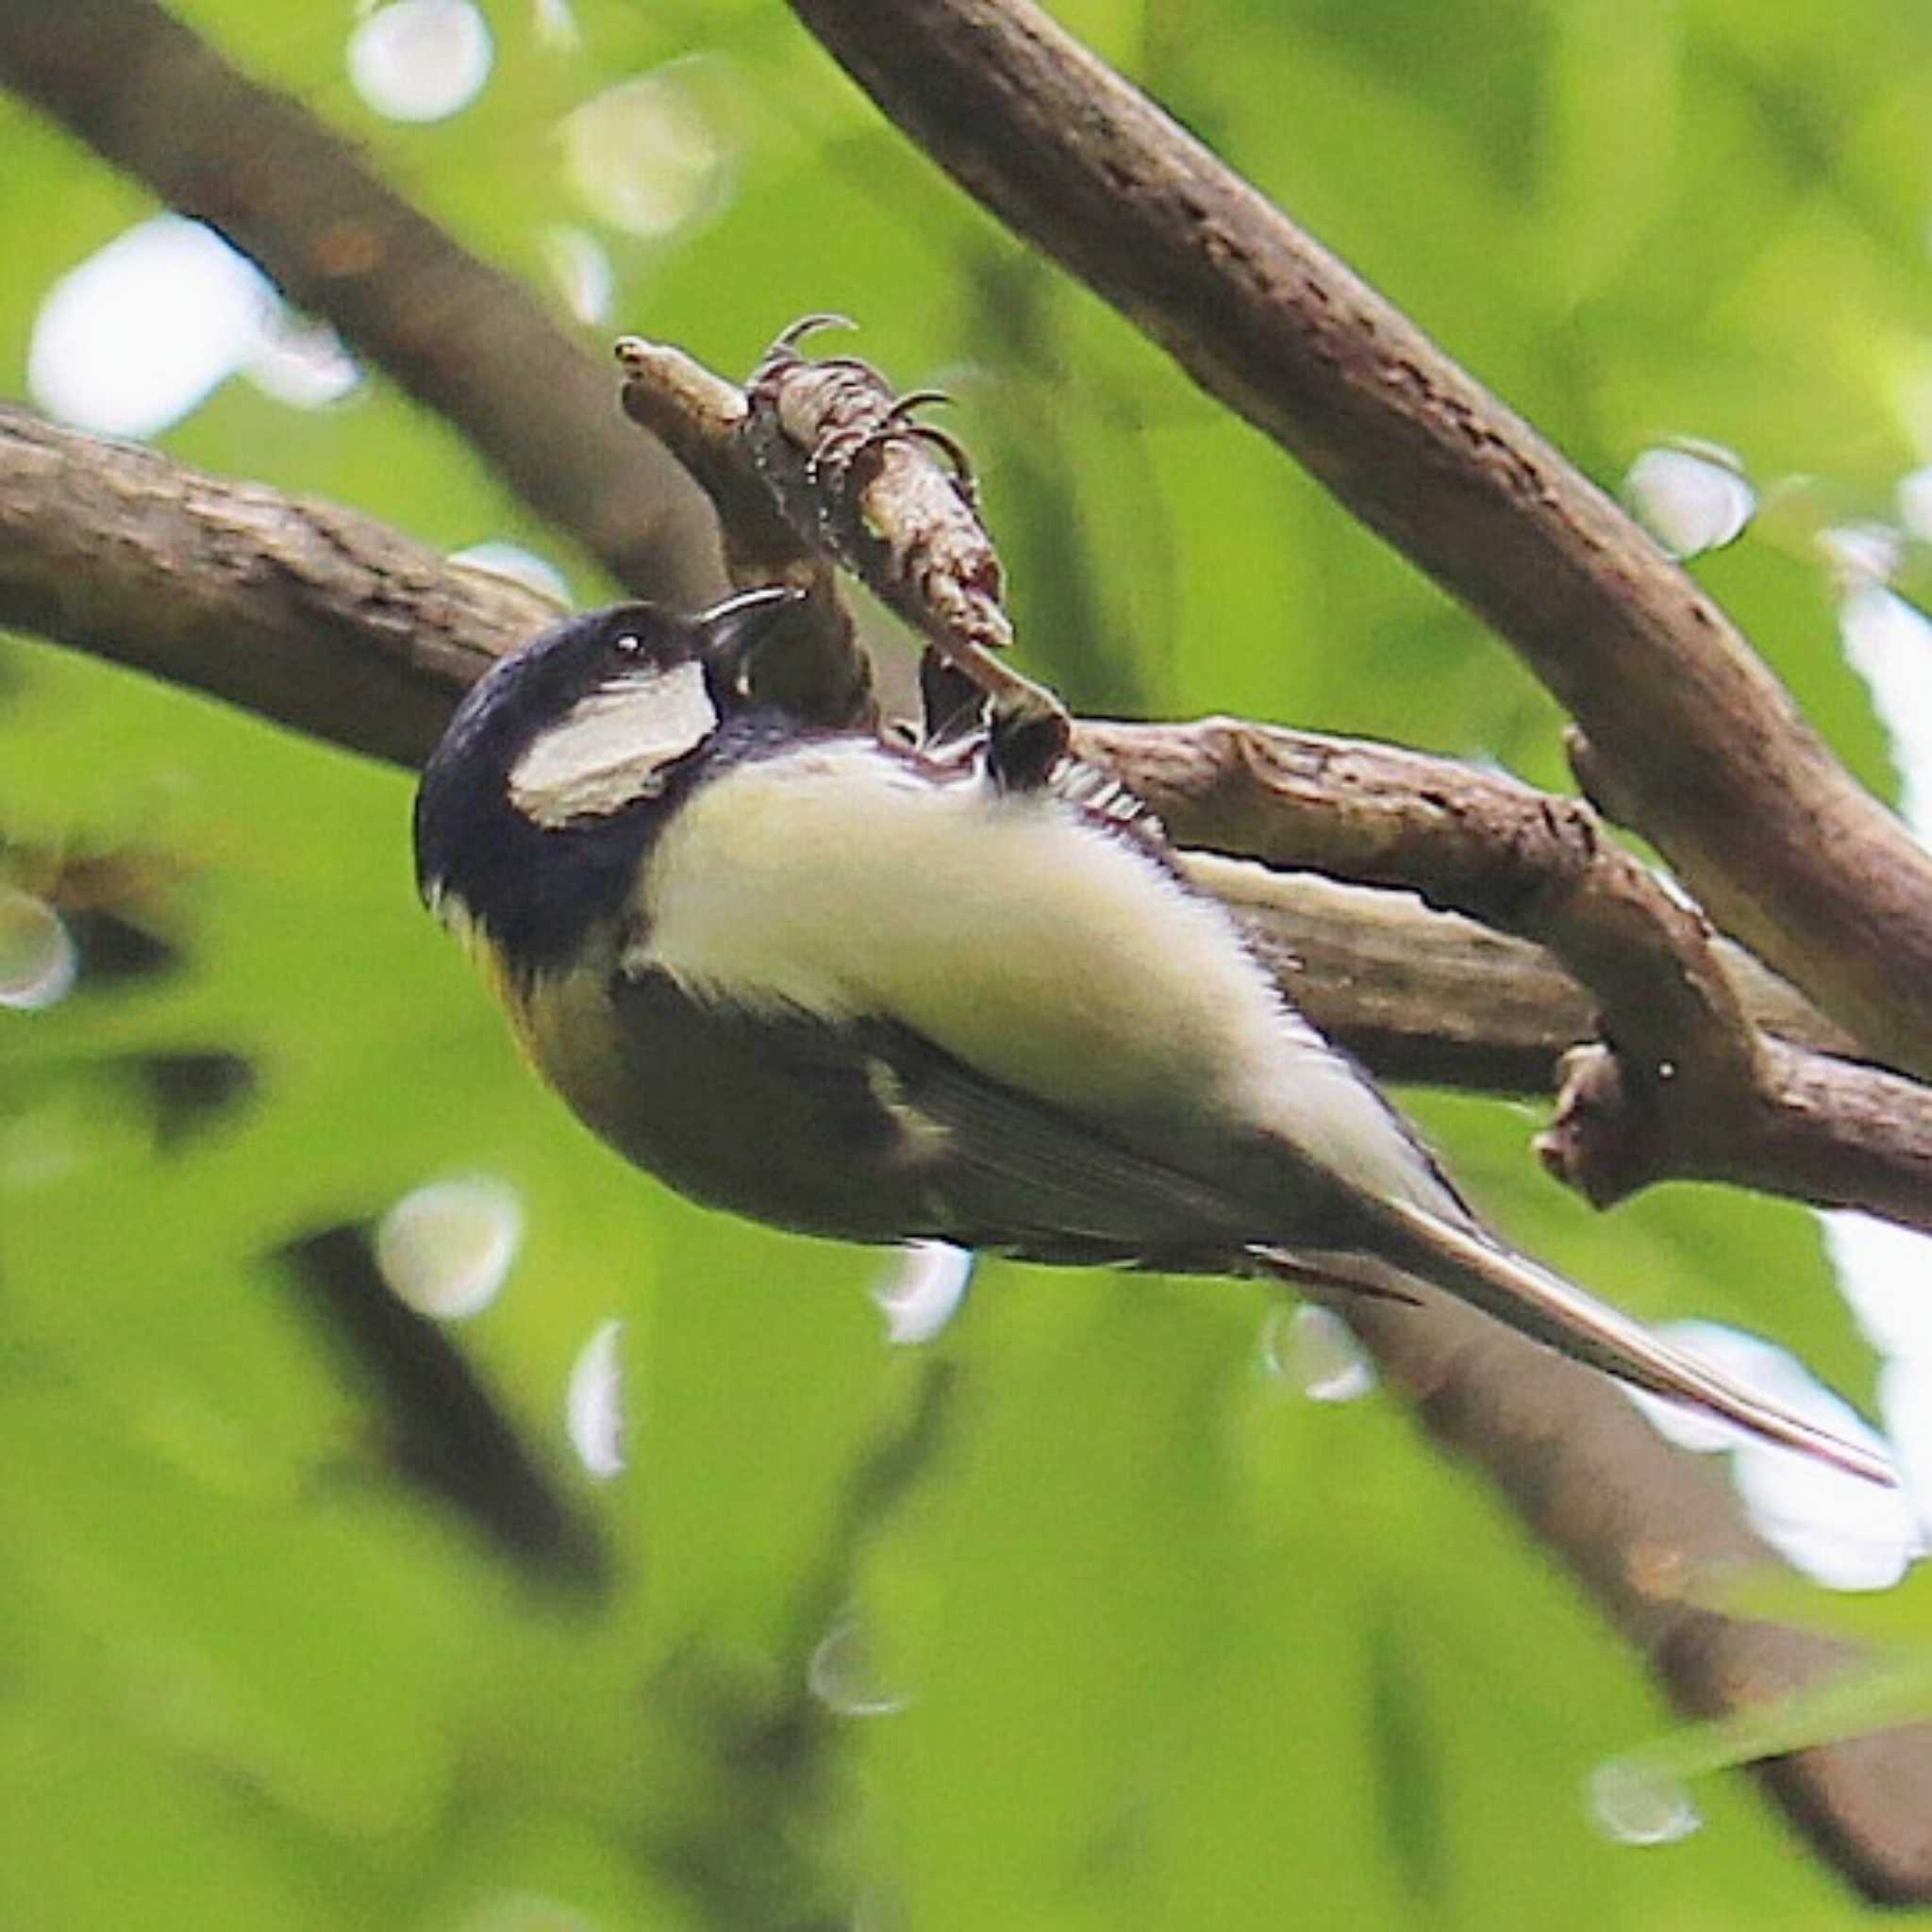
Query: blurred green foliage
{"points": [[1175, 1646]]}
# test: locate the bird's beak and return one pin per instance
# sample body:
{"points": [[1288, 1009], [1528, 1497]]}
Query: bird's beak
{"points": [[732, 632]]}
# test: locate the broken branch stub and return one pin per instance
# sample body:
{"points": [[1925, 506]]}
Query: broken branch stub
{"points": [[857, 477], [824, 676]]}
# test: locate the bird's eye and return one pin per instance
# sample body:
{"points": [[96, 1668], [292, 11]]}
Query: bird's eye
{"points": [[628, 645]]}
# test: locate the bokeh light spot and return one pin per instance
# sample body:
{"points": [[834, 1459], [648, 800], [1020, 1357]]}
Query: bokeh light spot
{"points": [[303, 363], [842, 1675], [141, 332], [447, 1248], [593, 1403], [923, 1291], [519, 566], [1313, 1349], [1842, 1532], [646, 156], [37, 960], [1690, 496], [1639, 1806], [421, 60], [580, 267]]}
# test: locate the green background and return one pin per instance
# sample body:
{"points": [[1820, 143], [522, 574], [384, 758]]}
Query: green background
{"points": [[1174, 1646]]}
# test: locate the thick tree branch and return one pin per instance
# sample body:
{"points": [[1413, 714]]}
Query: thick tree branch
{"points": [[335, 624], [462, 337], [305, 612], [1690, 737]]}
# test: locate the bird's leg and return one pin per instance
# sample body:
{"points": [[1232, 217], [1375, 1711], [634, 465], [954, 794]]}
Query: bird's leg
{"points": [[951, 705]]}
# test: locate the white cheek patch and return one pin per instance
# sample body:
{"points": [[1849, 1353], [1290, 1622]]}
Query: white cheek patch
{"points": [[612, 748]]}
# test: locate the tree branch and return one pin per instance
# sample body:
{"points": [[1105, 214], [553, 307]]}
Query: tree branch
{"points": [[1823, 1131], [461, 336], [1436, 987], [1473, 842], [304, 612], [335, 624], [1724, 777]]}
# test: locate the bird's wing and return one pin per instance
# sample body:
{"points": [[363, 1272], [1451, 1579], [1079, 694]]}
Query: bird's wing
{"points": [[1005, 1169], [1023, 936], [866, 1130], [1007, 1172]]}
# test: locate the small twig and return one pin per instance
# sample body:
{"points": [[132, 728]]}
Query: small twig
{"points": [[1812, 1126], [433, 1416], [819, 460], [700, 418]]}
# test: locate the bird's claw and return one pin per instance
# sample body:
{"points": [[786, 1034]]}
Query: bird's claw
{"points": [[1028, 737]]}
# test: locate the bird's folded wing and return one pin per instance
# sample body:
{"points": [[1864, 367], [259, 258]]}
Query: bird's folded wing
{"points": [[1007, 1170]]}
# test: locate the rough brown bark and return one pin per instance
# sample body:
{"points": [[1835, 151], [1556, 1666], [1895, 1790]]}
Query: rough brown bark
{"points": [[304, 612]]}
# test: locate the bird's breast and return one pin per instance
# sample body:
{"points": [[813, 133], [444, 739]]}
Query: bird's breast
{"points": [[768, 1116]]}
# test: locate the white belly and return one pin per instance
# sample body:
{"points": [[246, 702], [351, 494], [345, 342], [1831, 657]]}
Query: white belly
{"points": [[1040, 948]]}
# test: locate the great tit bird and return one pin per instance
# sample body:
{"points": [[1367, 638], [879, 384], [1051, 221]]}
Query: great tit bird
{"points": [[882, 990]]}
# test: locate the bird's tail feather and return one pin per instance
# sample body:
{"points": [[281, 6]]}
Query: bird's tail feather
{"points": [[1551, 1310]]}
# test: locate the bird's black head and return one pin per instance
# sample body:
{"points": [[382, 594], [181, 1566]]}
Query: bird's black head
{"points": [[534, 809]]}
